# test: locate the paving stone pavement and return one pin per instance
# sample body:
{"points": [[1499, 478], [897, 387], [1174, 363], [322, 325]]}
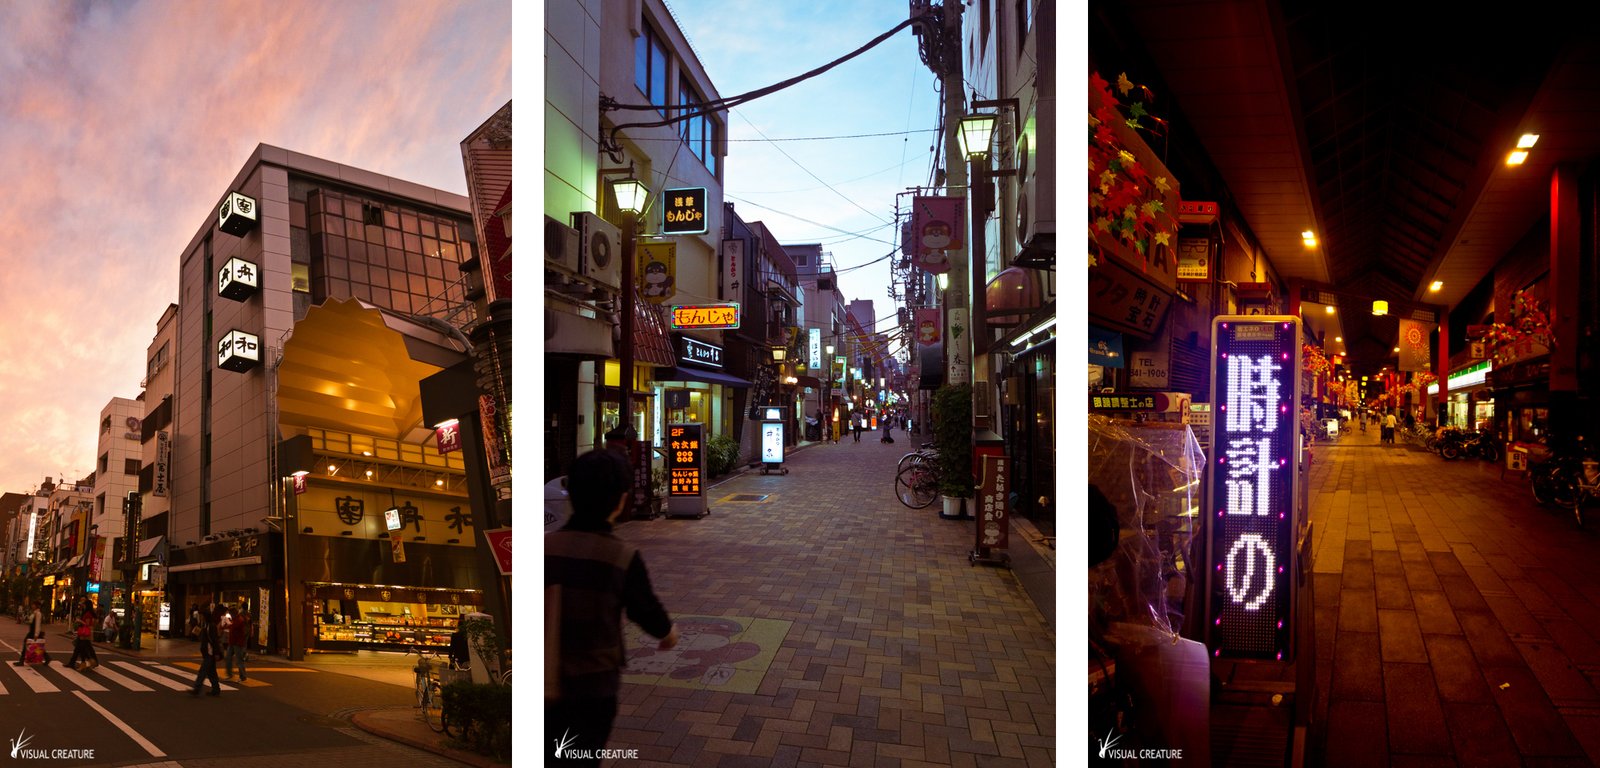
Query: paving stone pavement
{"points": [[898, 652], [1458, 622]]}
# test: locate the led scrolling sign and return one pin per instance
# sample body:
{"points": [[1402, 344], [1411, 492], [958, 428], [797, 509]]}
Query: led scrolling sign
{"points": [[1254, 487]]}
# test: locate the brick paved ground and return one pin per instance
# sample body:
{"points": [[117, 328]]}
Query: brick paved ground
{"points": [[1458, 623], [899, 653]]}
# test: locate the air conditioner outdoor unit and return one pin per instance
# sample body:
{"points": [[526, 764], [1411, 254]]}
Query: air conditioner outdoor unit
{"points": [[600, 249], [560, 245]]}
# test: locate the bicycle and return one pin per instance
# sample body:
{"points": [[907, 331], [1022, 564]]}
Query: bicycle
{"points": [[1567, 481], [429, 697], [916, 478]]}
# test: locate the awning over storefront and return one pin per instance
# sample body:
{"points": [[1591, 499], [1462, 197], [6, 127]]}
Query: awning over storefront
{"points": [[148, 546], [705, 377], [650, 342]]}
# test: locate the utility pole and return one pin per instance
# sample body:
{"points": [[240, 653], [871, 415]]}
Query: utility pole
{"points": [[957, 316]]}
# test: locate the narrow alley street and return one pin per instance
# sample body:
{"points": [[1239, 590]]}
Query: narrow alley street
{"points": [[826, 623]]}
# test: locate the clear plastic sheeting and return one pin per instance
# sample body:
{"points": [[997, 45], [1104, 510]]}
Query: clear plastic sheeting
{"points": [[1151, 474]]}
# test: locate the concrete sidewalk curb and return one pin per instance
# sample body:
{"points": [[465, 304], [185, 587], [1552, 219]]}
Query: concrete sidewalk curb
{"points": [[400, 724]]}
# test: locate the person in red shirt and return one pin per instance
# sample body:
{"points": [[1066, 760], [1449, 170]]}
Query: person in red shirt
{"points": [[238, 639]]}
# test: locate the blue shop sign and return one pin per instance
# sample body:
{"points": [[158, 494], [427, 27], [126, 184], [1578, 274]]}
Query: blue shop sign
{"points": [[1105, 347]]}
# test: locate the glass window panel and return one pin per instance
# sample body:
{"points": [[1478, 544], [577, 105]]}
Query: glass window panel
{"points": [[408, 222], [392, 238], [435, 267], [430, 228], [658, 73], [400, 302], [435, 287], [419, 284], [452, 273], [411, 454], [447, 231], [430, 245], [356, 251], [413, 243], [432, 457], [360, 444], [300, 278], [641, 61], [374, 233], [354, 229], [361, 292], [338, 289], [450, 252], [358, 273], [414, 263], [387, 449], [319, 223], [391, 219], [380, 278], [297, 215], [337, 268], [352, 209], [333, 246]]}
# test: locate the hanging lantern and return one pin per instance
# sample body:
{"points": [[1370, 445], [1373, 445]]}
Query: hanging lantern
{"points": [[1380, 307]]}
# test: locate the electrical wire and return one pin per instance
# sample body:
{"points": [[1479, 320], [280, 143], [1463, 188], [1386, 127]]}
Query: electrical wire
{"points": [[799, 218], [808, 171]]}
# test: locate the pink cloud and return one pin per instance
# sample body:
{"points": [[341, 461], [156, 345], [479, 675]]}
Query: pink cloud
{"points": [[124, 123]]}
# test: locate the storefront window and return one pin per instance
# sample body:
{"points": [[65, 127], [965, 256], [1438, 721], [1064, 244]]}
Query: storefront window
{"points": [[1530, 425], [407, 618]]}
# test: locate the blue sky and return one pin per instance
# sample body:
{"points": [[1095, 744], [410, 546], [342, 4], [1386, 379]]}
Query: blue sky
{"points": [[748, 44]]}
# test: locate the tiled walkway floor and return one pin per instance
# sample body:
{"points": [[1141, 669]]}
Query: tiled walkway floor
{"points": [[1458, 623], [897, 652]]}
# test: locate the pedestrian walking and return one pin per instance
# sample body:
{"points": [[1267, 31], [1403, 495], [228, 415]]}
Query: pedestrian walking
{"points": [[1389, 423], [210, 652], [35, 632], [592, 578], [83, 644], [238, 639], [855, 424]]}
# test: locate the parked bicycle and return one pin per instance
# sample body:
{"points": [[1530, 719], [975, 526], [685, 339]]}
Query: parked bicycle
{"points": [[916, 478], [429, 698], [1567, 481]]}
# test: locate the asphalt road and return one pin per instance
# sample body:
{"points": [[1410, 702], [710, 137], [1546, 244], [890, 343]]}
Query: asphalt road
{"points": [[133, 711]]}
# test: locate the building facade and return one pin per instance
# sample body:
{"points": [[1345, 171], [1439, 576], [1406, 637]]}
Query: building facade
{"points": [[304, 484], [612, 68], [118, 466]]}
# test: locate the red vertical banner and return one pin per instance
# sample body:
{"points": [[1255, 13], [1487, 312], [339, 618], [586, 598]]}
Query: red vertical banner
{"points": [[930, 346], [938, 226]]}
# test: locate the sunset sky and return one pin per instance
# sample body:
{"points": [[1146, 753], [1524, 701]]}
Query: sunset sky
{"points": [[121, 125]]}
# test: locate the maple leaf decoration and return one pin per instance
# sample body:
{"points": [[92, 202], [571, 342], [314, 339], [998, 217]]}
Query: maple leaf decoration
{"points": [[1125, 200]]}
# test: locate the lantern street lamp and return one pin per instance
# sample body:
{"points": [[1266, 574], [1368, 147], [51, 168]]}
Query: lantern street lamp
{"points": [[630, 196]]}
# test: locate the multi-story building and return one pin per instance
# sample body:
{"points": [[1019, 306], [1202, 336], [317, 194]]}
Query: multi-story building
{"points": [[309, 310], [822, 321], [15, 527], [116, 476], [147, 542], [614, 68], [69, 510]]}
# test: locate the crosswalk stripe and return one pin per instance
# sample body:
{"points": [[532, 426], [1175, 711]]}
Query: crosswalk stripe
{"points": [[145, 672], [162, 680], [131, 684], [194, 666], [35, 680], [77, 678]]}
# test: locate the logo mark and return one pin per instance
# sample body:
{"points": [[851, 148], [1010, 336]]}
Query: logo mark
{"points": [[19, 742], [566, 740], [1108, 742]]}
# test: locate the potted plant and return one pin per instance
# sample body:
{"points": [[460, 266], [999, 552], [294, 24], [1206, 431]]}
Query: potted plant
{"points": [[952, 435]]}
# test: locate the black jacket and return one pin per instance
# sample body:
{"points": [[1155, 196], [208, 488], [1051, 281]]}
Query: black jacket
{"points": [[598, 577]]}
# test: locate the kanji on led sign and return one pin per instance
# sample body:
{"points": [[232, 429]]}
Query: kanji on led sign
{"points": [[1254, 488], [684, 464], [238, 351]]}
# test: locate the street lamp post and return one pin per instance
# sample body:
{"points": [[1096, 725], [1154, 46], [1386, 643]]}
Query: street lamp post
{"points": [[630, 200]]}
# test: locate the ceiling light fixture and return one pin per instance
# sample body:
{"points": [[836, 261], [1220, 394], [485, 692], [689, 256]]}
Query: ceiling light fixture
{"points": [[1436, 286], [1339, 339], [1380, 307], [1329, 309], [1309, 238], [1517, 157], [1527, 141]]}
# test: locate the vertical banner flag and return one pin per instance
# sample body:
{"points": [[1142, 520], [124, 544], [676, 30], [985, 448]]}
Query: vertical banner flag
{"points": [[732, 269], [1254, 471], [1415, 352], [930, 346], [938, 226], [657, 270]]}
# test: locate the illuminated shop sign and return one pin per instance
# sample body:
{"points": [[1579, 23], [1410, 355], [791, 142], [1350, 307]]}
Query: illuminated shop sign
{"points": [[704, 316], [238, 279], [814, 358], [1254, 486], [699, 353], [683, 211], [685, 459], [238, 351], [237, 214], [1472, 375]]}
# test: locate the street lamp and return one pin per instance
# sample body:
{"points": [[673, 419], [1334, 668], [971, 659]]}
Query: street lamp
{"points": [[630, 196]]}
